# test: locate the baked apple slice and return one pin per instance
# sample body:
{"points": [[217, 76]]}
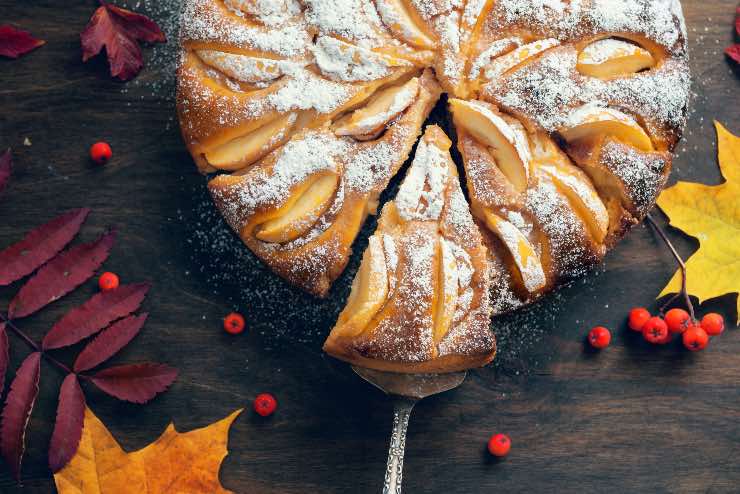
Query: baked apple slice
{"points": [[507, 144], [405, 23], [613, 57], [242, 151], [592, 121], [525, 257], [369, 291], [577, 188], [447, 292], [298, 216], [369, 121]]}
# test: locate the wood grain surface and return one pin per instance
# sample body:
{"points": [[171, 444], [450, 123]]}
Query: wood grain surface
{"points": [[632, 418]]}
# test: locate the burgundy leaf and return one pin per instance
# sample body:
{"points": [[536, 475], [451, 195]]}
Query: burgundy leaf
{"points": [[119, 31], [6, 167], [109, 342], [68, 427], [39, 245], [733, 52], [4, 355], [737, 20], [16, 42], [17, 412], [61, 275], [95, 314], [138, 383]]}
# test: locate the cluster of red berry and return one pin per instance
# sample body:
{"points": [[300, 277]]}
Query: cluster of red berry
{"points": [[660, 330]]}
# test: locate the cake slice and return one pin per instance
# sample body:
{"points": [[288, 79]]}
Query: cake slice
{"points": [[420, 300]]}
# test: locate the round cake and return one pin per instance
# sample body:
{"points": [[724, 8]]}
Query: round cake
{"points": [[564, 113]]}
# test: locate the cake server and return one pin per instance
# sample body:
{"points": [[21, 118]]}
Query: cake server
{"points": [[405, 390]]}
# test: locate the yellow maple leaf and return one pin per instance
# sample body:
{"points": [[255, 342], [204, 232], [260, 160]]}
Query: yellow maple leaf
{"points": [[711, 214], [176, 463]]}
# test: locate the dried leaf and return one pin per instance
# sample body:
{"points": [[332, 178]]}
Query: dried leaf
{"points": [[68, 427], [109, 342], [6, 167], [176, 462], [61, 275], [710, 214], [40, 245], [119, 31], [17, 412], [137, 383], [4, 355], [16, 42], [95, 314]]}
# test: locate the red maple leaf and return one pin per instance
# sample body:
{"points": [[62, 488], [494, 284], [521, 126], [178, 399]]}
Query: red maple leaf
{"points": [[119, 31], [15, 42]]}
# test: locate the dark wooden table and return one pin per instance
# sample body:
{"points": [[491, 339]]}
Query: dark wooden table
{"points": [[630, 419]]}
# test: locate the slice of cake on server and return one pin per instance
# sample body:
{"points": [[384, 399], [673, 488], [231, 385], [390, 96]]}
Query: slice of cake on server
{"points": [[420, 300]]}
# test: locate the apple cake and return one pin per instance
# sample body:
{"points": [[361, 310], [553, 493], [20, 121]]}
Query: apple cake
{"points": [[565, 114]]}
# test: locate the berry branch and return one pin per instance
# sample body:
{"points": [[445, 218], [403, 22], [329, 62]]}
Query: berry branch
{"points": [[682, 266], [34, 346]]}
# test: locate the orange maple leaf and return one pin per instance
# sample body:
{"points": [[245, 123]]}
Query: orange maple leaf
{"points": [[175, 463]]}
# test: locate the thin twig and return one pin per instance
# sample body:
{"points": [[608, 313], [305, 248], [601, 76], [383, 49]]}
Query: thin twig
{"points": [[682, 266], [33, 344]]}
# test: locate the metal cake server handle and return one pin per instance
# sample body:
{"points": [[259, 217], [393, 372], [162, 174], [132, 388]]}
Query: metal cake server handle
{"points": [[406, 390]]}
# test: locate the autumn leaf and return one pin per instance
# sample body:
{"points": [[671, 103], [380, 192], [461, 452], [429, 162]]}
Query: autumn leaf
{"points": [[733, 51], [710, 214], [95, 314], [17, 411], [137, 383], [176, 462], [6, 167], [119, 31], [40, 245], [60, 276], [4, 355], [68, 425], [16, 42], [109, 342]]}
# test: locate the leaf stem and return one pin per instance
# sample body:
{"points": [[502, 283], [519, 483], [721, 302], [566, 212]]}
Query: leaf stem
{"points": [[682, 266], [33, 344]]}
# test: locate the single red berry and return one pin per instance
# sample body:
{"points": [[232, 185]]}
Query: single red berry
{"points": [[695, 338], [666, 339], [713, 324], [100, 152], [108, 281], [499, 445], [265, 404], [234, 323], [655, 330], [677, 320], [599, 337], [638, 317]]}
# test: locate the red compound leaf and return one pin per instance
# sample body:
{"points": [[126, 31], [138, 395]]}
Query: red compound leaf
{"points": [[119, 31], [95, 314], [17, 412], [40, 245], [68, 427], [109, 342], [6, 167], [4, 355], [16, 42], [137, 383], [61, 275]]}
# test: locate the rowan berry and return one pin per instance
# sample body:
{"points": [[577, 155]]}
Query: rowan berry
{"points": [[100, 152], [637, 318], [108, 281], [677, 320], [265, 404], [599, 337], [713, 324], [499, 445], [695, 338], [234, 323], [655, 330]]}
